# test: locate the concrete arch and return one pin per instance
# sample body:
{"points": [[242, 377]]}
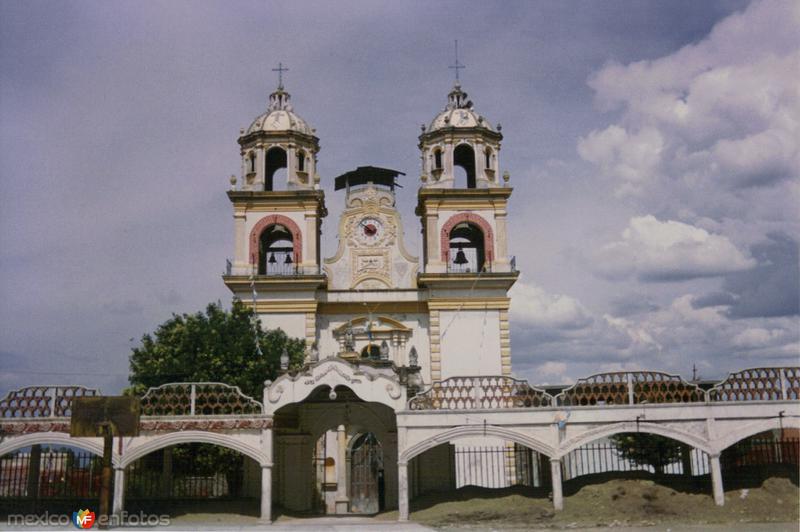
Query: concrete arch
{"points": [[742, 432], [631, 426], [192, 436], [93, 445], [468, 217], [475, 430], [268, 221], [370, 387]]}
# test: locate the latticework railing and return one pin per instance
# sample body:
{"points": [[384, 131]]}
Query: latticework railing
{"points": [[628, 388], [759, 384], [42, 401], [474, 393], [198, 399]]}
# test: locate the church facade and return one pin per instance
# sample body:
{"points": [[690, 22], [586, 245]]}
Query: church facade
{"points": [[381, 322]]}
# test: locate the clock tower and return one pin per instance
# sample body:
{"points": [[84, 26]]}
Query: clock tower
{"points": [[371, 253]]}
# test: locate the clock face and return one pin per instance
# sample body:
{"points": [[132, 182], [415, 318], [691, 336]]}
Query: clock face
{"points": [[370, 230]]}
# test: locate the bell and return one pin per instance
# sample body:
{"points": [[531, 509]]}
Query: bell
{"points": [[272, 258], [460, 257], [288, 259]]}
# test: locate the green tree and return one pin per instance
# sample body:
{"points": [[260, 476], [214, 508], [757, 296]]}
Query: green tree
{"points": [[647, 449], [212, 346], [215, 346]]}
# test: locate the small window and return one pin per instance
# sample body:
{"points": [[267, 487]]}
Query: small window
{"points": [[301, 161], [251, 163], [488, 154]]}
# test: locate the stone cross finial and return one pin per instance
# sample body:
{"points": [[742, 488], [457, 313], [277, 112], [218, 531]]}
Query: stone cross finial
{"points": [[280, 70], [457, 66]]}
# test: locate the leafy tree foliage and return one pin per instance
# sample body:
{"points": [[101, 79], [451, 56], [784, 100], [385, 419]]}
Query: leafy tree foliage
{"points": [[647, 449], [215, 346]]}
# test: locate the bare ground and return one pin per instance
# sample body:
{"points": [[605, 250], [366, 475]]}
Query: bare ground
{"points": [[629, 502]]}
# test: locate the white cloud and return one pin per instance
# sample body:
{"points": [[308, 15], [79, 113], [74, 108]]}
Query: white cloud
{"points": [[551, 369], [533, 306], [723, 112], [758, 337], [667, 251]]}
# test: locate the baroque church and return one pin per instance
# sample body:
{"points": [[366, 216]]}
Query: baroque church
{"points": [[381, 322]]}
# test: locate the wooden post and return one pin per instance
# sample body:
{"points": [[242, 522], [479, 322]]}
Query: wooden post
{"points": [[34, 471], [105, 485]]}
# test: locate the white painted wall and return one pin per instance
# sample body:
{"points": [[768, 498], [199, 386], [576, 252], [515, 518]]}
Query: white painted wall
{"points": [[470, 342], [293, 324]]}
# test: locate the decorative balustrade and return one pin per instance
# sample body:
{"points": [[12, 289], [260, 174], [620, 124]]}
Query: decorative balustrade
{"points": [[759, 384], [198, 399], [455, 393], [42, 401], [473, 393], [628, 388]]}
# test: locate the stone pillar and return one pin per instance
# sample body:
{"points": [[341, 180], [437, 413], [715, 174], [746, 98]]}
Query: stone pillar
{"points": [[119, 491], [432, 239], [267, 448], [500, 259], [291, 167], [241, 253], [402, 490], [555, 476], [310, 258], [261, 162], [716, 480], [342, 500], [266, 494]]}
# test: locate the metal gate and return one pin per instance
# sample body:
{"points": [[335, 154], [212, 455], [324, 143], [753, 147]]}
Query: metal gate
{"points": [[366, 475]]}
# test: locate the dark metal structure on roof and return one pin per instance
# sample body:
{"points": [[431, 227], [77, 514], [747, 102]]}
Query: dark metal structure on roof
{"points": [[368, 174]]}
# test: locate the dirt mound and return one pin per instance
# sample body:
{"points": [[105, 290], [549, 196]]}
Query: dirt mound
{"points": [[615, 502]]}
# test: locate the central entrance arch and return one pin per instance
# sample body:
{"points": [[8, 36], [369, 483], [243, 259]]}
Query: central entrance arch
{"points": [[335, 438]]}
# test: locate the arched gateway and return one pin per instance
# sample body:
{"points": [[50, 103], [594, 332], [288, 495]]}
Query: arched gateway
{"points": [[335, 437]]}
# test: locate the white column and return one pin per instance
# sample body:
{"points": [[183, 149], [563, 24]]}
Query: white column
{"points": [[555, 474], [310, 242], [716, 480], [266, 494], [266, 469], [435, 263], [342, 499], [241, 256], [258, 182], [119, 491], [291, 166], [402, 490]]}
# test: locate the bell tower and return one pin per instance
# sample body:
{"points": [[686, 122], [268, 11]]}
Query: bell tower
{"points": [[278, 209], [462, 204], [461, 199]]}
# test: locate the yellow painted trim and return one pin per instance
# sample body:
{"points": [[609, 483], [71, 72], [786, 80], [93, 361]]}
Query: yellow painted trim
{"points": [[478, 303], [376, 306], [275, 306]]}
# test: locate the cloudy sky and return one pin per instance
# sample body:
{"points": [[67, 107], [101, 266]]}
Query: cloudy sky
{"points": [[652, 148]]}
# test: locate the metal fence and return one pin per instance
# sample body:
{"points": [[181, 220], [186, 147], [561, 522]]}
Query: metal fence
{"points": [[606, 457], [61, 473], [498, 466], [759, 454]]}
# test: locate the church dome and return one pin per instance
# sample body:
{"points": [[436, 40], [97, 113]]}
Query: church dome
{"points": [[458, 113], [280, 116]]}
